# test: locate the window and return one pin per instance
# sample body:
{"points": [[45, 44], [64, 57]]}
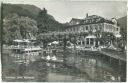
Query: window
{"points": [[90, 20], [91, 41], [98, 28], [83, 29], [86, 27], [116, 29], [83, 42], [77, 29], [87, 41], [79, 43], [73, 29], [84, 21], [77, 22]]}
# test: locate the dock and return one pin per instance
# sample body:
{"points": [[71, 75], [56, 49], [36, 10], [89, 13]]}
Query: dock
{"points": [[114, 54]]}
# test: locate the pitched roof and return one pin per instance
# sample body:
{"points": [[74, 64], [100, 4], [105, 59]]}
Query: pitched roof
{"points": [[91, 17], [75, 19]]}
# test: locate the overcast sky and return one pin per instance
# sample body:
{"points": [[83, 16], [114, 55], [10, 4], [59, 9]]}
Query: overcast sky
{"points": [[64, 10]]}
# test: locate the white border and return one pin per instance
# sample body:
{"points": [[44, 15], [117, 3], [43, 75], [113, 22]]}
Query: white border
{"points": [[66, 0]]}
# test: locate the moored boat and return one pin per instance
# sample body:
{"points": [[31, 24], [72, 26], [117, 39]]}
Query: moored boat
{"points": [[52, 59], [24, 51]]}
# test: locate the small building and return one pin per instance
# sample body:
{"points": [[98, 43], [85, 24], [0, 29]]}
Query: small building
{"points": [[74, 21], [88, 41]]}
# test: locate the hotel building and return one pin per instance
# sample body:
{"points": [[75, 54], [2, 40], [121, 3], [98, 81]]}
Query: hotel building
{"points": [[91, 25]]}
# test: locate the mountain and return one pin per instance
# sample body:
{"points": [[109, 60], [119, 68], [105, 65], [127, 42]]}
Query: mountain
{"points": [[22, 10], [32, 12], [123, 23], [11, 8], [33, 9]]}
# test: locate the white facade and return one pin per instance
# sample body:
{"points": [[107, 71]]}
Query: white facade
{"points": [[93, 24]]}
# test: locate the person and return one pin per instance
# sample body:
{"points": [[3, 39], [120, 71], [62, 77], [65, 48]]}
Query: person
{"points": [[48, 57], [54, 58]]}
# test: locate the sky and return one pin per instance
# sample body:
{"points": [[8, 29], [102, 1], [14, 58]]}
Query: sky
{"points": [[64, 10]]}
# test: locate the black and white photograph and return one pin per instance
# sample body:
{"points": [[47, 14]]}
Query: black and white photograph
{"points": [[63, 41]]}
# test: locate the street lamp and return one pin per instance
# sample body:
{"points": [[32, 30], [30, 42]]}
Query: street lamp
{"points": [[117, 36]]}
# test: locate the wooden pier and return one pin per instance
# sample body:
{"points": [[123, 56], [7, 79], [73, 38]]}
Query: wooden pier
{"points": [[117, 55]]}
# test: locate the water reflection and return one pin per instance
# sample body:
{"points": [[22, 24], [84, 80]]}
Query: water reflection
{"points": [[57, 72], [87, 68]]}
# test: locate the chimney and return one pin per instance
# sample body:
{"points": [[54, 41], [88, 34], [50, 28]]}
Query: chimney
{"points": [[86, 15]]}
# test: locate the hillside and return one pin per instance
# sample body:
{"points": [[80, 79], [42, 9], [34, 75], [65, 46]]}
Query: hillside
{"points": [[123, 28], [123, 23], [9, 9], [31, 11], [22, 10]]}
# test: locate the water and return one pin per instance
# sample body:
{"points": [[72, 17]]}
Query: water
{"points": [[85, 68]]}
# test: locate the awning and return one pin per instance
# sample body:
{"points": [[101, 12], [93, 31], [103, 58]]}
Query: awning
{"points": [[91, 36], [32, 49], [17, 40], [55, 42], [26, 40]]}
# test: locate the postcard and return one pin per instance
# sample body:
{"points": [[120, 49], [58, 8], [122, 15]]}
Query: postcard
{"points": [[63, 41]]}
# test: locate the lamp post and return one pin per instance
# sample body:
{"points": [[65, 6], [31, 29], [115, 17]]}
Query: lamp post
{"points": [[117, 36], [64, 49], [75, 51]]}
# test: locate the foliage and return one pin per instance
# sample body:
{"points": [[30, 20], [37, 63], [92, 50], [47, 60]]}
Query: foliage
{"points": [[16, 27], [18, 9], [107, 38], [46, 23], [121, 43]]}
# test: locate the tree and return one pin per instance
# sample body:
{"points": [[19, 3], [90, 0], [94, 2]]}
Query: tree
{"points": [[42, 21], [107, 38], [18, 27]]}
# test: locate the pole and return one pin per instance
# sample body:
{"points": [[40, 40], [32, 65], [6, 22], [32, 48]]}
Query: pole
{"points": [[1, 32], [119, 64], [64, 49], [75, 51]]}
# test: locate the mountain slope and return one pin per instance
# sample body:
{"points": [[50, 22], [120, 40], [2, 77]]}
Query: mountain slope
{"points": [[9, 9], [22, 10], [123, 28], [123, 23], [32, 12], [33, 9]]}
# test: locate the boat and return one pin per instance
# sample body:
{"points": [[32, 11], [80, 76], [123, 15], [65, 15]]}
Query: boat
{"points": [[24, 50], [52, 59]]}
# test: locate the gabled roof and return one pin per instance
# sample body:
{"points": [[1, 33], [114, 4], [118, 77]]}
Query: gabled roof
{"points": [[76, 20], [91, 17], [102, 20], [23, 40]]}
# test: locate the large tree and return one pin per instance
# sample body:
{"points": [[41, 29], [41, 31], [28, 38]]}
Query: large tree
{"points": [[107, 38], [47, 23], [18, 27]]}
